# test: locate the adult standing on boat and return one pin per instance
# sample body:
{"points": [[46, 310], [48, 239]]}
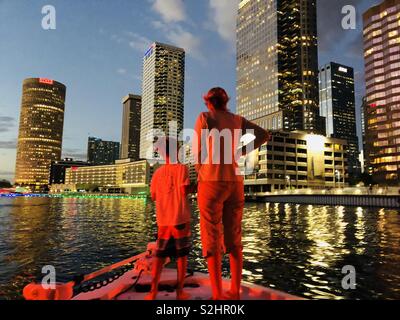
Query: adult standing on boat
{"points": [[221, 187]]}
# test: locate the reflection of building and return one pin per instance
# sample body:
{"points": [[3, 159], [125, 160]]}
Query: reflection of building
{"points": [[337, 104], [40, 130], [382, 73], [102, 152], [130, 142], [297, 160], [123, 176], [277, 64], [163, 94], [58, 168]]}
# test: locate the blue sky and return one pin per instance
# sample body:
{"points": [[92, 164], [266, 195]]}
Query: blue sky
{"points": [[97, 52]]}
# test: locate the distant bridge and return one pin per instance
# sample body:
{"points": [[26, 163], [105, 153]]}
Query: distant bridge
{"points": [[359, 197]]}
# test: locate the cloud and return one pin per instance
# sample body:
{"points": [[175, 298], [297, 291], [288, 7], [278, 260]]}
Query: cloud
{"points": [[180, 37], [121, 71], [11, 144], [6, 123], [172, 13], [138, 42], [134, 40], [186, 40], [170, 10], [223, 15]]}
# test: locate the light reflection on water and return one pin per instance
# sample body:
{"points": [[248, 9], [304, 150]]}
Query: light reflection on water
{"points": [[299, 249]]}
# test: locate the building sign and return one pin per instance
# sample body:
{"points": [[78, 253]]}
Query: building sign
{"points": [[149, 51], [342, 69], [46, 81]]}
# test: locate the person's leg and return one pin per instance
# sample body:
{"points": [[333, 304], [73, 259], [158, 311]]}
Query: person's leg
{"points": [[236, 264], [232, 219], [157, 269], [182, 267], [210, 198], [214, 264]]}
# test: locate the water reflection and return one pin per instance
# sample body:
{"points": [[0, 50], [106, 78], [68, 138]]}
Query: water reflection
{"points": [[295, 248]]}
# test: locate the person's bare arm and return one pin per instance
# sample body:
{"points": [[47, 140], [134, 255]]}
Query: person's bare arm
{"points": [[198, 144], [261, 136]]}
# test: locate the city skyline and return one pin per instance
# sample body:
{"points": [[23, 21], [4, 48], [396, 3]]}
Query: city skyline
{"points": [[123, 80]]}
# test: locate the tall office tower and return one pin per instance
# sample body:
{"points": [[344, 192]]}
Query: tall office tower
{"points": [[163, 94], [363, 108], [102, 152], [338, 106], [382, 73], [40, 130], [277, 64], [130, 142]]}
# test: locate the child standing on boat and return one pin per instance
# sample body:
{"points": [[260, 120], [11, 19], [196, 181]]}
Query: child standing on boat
{"points": [[169, 189]]}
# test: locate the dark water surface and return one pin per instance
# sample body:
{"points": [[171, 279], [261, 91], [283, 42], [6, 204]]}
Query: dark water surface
{"points": [[299, 249]]}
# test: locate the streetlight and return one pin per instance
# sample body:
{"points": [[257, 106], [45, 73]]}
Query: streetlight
{"points": [[289, 182], [338, 176]]}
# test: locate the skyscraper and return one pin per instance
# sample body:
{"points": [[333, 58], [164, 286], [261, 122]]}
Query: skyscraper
{"points": [[40, 130], [102, 152], [337, 105], [162, 94], [277, 64], [382, 73], [131, 119], [277, 88], [363, 108]]}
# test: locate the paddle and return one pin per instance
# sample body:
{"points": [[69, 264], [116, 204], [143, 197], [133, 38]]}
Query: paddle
{"points": [[65, 291]]}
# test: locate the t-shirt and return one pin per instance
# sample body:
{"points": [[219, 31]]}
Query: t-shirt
{"points": [[172, 206], [224, 169]]}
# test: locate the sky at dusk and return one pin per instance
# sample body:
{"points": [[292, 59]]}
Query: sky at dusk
{"points": [[97, 50]]}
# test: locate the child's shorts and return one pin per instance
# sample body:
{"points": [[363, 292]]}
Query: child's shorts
{"points": [[174, 241]]}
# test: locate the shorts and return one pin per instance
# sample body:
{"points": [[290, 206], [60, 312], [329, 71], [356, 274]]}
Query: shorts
{"points": [[221, 207], [174, 241]]}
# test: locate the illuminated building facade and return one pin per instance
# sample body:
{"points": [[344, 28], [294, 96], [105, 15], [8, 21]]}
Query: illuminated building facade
{"points": [[337, 106], [296, 160], [364, 167], [130, 141], [277, 65], [122, 177], [382, 73], [162, 94], [58, 168], [102, 152], [40, 130]]}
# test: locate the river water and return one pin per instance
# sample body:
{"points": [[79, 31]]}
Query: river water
{"points": [[299, 249]]}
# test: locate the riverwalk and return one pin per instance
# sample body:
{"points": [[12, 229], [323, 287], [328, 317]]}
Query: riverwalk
{"points": [[360, 197]]}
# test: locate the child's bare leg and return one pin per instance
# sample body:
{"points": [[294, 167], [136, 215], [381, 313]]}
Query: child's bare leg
{"points": [[182, 267], [157, 269]]}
